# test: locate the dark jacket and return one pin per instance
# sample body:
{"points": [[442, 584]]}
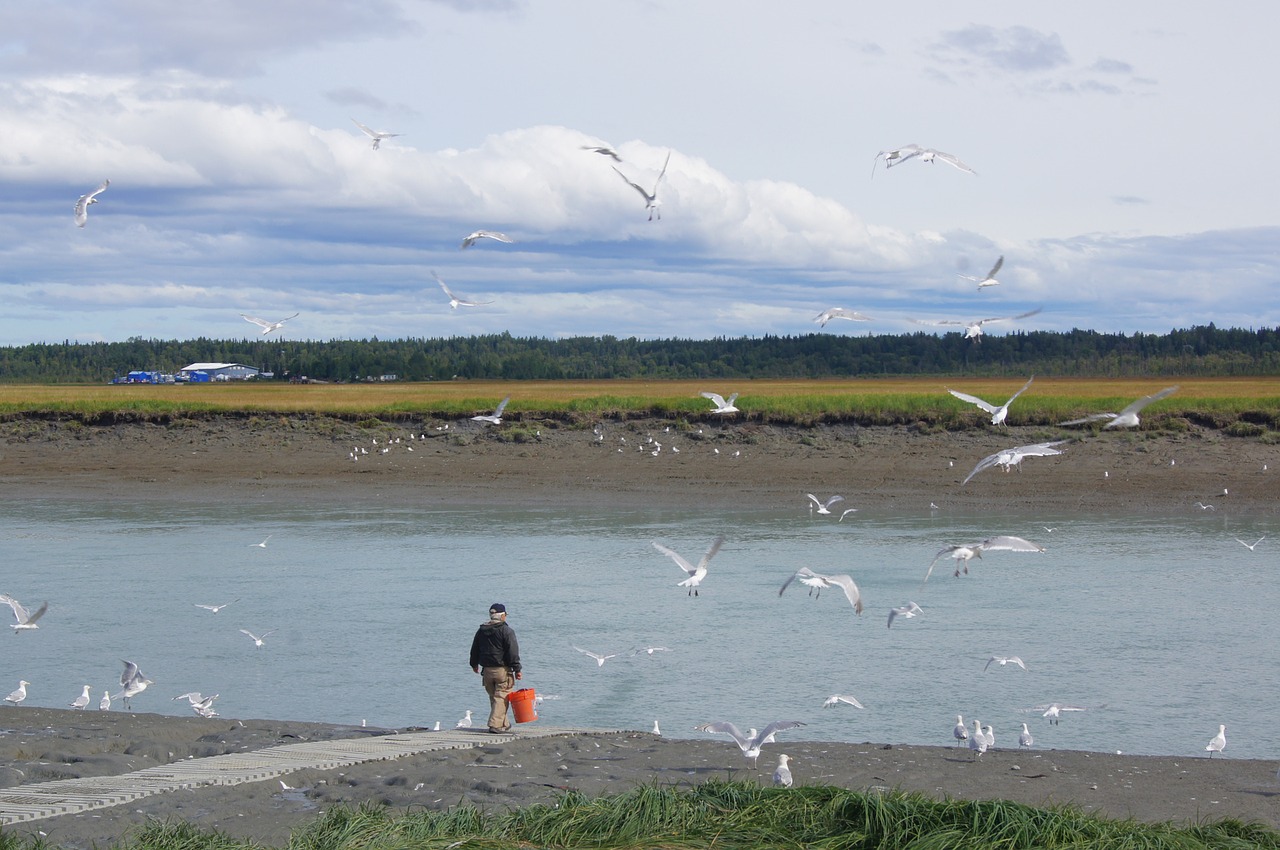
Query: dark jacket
{"points": [[495, 646]]}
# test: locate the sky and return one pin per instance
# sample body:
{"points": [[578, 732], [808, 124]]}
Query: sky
{"points": [[1123, 168]]}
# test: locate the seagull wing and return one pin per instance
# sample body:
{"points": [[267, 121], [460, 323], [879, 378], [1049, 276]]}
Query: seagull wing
{"points": [[644, 194], [973, 399], [841, 313], [31, 618], [996, 267], [19, 613], [803, 572], [677, 557], [262, 323], [250, 634], [833, 500], [847, 700], [952, 160], [850, 589], [371, 133], [130, 673], [946, 551], [986, 463], [502, 405], [716, 397], [1021, 391], [1145, 400], [711, 552], [766, 734], [1006, 543], [1097, 417], [1008, 318], [726, 728], [661, 174]]}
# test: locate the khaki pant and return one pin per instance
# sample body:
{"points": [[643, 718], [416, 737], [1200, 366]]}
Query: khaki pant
{"points": [[498, 682]]}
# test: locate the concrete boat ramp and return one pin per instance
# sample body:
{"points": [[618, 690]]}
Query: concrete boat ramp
{"points": [[39, 800]]}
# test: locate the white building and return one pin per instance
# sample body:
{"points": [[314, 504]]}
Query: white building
{"points": [[217, 372]]}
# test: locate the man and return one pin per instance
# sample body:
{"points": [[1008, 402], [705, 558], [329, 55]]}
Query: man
{"points": [[495, 655]]}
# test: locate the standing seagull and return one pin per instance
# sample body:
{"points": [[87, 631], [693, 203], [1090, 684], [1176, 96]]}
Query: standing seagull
{"points": [[20, 694], [750, 746], [82, 205], [376, 135], [696, 574], [782, 776], [839, 313], [1218, 742], [651, 202], [81, 702], [477, 235], [990, 279], [494, 418], [26, 619], [978, 740], [1127, 418], [964, 553], [456, 301], [998, 414], [722, 406], [104, 704], [960, 732], [973, 329], [268, 327], [897, 156], [1025, 739], [820, 582]]}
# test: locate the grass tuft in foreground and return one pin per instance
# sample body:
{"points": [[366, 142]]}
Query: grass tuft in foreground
{"points": [[735, 815]]}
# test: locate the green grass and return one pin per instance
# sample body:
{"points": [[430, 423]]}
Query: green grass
{"points": [[731, 815]]}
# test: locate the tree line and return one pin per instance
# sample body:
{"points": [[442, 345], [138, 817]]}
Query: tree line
{"points": [[1199, 351]]}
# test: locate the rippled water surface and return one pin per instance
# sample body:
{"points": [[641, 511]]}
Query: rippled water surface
{"points": [[1161, 628]]}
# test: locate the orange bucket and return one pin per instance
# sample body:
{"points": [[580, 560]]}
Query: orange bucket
{"points": [[521, 703]]}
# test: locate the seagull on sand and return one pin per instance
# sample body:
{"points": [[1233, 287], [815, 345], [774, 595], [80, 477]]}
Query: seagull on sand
{"points": [[978, 740], [750, 746], [1250, 546], [651, 202], [1127, 418], [268, 327], [696, 574], [1013, 457], [1218, 742], [722, 406], [81, 702], [1025, 739], [973, 329], [132, 682], [257, 639], [603, 150], [837, 699], [839, 313], [1003, 661], [960, 732], [907, 611], [82, 205], [216, 608], [26, 619], [20, 694], [990, 735], [897, 156], [465, 722], [990, 279], [600, 659], [456, 301], [104, 704], [965, 553], [376, 135], [477, 235], [782, 776], [824, 507], [998, 414], [1053, 710], [494, 418], [819, 582]]}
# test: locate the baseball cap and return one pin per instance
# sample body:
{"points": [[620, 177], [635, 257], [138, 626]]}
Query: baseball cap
{"points": [[497, 608]]}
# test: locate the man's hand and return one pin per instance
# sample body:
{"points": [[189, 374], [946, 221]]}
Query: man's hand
{"points": [[519, 675], [476, 669]]}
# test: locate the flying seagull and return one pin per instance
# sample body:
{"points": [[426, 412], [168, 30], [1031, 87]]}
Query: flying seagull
{"points": [[494, 418], [376, 135], [456, 301], [257, 639], [476, 235], [26, 619], [897, 156], [973, 330], [990, 279], [603, 150], [1251, 546], [651, 202], [998, 414], [268, 327], [1004, 660], [907, 611], [839, 313], [751, 745], [1053, 711], [600, 659], [718, 400], [132, 682], [216, 608], [963, 554], [696, 574], [819, 582], [1013, 457], [82, 205], [824, 507], [837, 699], [1127, 418]]}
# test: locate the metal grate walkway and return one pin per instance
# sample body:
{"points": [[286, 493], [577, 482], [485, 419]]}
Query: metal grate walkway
{"points": [[69, 796]]}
